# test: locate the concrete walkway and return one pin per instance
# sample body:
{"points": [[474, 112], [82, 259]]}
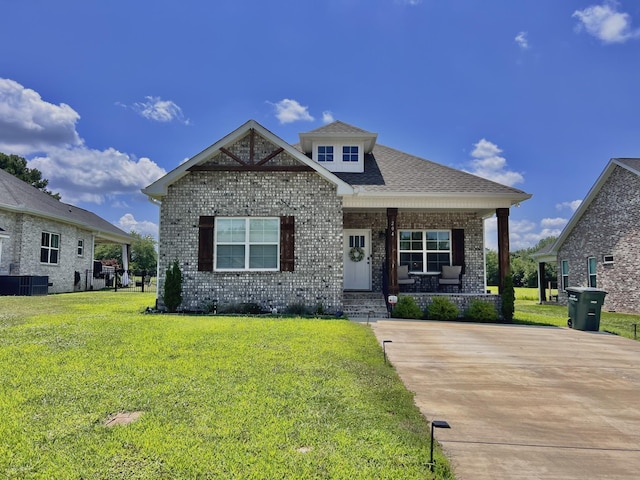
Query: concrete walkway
{"points": [[524, 402]]}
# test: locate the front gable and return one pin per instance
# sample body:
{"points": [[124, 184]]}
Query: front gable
{"points": [[250, 148]]}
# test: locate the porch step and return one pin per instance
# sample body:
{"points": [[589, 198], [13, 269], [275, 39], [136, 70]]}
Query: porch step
{"points": [[364, 305]]}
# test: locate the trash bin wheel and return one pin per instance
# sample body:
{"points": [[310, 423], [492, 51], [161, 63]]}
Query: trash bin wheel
{"points": [[569, 323]]}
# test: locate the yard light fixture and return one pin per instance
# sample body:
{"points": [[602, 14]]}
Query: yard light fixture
{"points": [[384, 349], [436, 424], [635, 328]]}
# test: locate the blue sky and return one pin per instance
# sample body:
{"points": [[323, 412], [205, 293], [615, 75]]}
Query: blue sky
{"points": [[104, 97]]}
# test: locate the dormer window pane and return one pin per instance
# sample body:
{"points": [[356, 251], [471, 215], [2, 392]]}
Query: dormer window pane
{"points": [[349, 154], [325, 153]]}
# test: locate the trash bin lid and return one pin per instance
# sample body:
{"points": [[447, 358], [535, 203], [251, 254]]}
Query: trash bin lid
{"points": [[585, 290]]}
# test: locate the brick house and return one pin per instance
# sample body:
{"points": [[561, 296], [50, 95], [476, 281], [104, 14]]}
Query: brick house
{"points": [[253, 219], [44, 237], [600, 246]]}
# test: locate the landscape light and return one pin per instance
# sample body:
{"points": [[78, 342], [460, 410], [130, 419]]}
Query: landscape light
{"points": [[436, 424], [384, 349]]}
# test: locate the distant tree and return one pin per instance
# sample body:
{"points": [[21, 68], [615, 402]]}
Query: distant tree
{"points": [[493, 277], [143, 253], [524, 268], [17, 166], [111, 252]]}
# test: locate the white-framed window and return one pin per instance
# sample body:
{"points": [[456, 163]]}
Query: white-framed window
{"points": [[591, 266], [607, 259], [49, 248], [425, 250], [565, 274], [247, 243], [350, 153], [80, 248], [325, 153]]}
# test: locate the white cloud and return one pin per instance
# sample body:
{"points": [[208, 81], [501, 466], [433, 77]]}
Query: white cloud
{"points": [[86, 175], [128, 223], [572, 205], [327, 117], [522, 41], [289, 111], [605, 23], [159, 110], [29, 124], [523, 233], [553, 223], [489, 164]]}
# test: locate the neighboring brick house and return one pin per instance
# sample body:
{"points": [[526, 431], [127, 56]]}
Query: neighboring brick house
{"points": [[600, 246], [44, 237], [253, 219]]}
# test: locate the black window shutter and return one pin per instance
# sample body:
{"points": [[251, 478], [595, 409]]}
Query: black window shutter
{"points": [[457, 251], [287, 244], [205, 244]]}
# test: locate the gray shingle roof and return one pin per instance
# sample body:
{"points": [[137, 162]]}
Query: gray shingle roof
{"points": [[340, 127], [632, 163], [16, 195]]}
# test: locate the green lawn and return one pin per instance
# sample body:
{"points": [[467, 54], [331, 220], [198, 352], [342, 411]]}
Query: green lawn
{"points": [[220, 397], [529, 311]]}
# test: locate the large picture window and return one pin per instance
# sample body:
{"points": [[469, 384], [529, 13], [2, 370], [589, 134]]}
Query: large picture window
{"points": [[247, 243], [49, 248], [425, 250]]}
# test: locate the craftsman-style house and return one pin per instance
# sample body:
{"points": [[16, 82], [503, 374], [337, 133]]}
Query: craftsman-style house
{"points": [[253, 219]]}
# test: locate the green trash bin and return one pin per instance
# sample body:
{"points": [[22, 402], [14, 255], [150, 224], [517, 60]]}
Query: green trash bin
{"points": [[585, 304]]}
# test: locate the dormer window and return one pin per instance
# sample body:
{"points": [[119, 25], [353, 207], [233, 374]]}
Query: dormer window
{"points": [[325, 153], [349, 153]]}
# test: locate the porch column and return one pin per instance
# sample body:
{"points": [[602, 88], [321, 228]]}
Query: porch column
{"points": [[542, 287], [504, 265], [392, 250]]}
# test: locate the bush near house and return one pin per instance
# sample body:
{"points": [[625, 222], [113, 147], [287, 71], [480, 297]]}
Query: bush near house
{"points": [[441, 308], [480, 311], [406, 308]]}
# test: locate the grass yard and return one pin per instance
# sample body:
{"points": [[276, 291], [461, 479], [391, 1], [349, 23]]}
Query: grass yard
{"points": [[219, 397], [530, 312]]}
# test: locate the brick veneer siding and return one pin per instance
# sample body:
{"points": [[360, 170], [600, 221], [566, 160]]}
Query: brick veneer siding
{"points": [[317, 278], [473, 279], [609, 226], [21, 252]]}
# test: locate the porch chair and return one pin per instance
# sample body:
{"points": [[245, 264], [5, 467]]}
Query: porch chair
{"points": [[451, 275], [403, 276]]}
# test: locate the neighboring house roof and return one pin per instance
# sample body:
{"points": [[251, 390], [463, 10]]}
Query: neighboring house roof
{"points": [[631, 164], [20, 197], [391, 178]]}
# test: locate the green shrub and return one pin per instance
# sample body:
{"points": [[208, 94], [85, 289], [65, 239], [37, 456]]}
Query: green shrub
{"points": [[241, 309], [406, 308], [297, 309], [480, 311], [508, 299], [441, 308], [173, 287]]}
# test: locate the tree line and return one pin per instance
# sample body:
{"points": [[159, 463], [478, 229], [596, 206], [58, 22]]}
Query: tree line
{"points": [[524, 268]]}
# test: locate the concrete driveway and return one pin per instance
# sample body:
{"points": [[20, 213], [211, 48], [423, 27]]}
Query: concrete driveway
{"points": [[524, 402]]}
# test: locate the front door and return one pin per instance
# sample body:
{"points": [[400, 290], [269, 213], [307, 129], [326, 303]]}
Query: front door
{"points": [[357, 260]]}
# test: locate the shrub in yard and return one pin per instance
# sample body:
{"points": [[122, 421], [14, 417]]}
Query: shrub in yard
{"points": [[441, 308], [406, 308], [297, 309], [508, 298], [480, 311], [173, 287]]}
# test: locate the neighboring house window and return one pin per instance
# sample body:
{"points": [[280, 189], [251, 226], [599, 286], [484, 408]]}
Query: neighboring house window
{"points": [[425, 251], [591, 264], [247, 243], [349, 153], [325, 153], [49, 247], [607, 259], [80, 248], [565, 274]]}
